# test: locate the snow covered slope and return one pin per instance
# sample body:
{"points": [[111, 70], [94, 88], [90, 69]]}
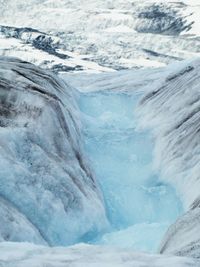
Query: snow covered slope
{"points": [[47, 191], [45, 50], [29, 255], [114, 33]]}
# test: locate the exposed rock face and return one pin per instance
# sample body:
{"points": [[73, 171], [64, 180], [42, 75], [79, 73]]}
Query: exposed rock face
{"points": [[47, 192], [172, 111]]}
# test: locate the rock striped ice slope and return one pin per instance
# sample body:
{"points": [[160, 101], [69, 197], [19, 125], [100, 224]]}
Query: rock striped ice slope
{"points": [[171, 111], [47, 191], [46, 50]]}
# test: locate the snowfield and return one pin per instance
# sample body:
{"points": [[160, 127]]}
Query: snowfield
{"points": [[114, 34], [25, 254]]}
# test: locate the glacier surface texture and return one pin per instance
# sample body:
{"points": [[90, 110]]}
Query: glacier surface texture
{"points": [[99, 133], [47, 191], [51, 134]]}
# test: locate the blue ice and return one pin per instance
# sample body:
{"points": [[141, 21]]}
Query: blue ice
{"points": [[140, 206]]}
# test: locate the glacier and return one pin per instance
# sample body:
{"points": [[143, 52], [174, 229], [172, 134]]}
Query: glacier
{"points": [[66, 149], [99, 166], [96, 35], [26, 254], [175, 103], [122, 161], [50, 183]]}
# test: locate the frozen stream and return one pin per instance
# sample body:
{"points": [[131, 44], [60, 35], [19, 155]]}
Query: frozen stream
{"points": [[140, 207]]}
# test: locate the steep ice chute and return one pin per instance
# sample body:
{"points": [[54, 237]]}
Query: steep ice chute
{"points": [[24, 254], [171, 110], [44, 177], [140, 207]]}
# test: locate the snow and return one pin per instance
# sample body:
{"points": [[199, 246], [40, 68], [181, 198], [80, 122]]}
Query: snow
{"points": [[119, 29], [121, 158], [113, 34], [142, 62], [135, 80], [17, 48], [24, 254]]}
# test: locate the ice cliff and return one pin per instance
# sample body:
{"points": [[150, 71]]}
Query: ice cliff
{"points": [[47, 191], [171, 110]]}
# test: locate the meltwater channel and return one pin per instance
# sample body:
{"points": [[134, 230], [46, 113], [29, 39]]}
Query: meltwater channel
{"points": [[140, 207]]}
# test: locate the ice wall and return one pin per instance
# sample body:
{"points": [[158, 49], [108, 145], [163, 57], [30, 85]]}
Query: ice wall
{"points": [[171, 111], [139, 205], [47, 191], [29, 255]]}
